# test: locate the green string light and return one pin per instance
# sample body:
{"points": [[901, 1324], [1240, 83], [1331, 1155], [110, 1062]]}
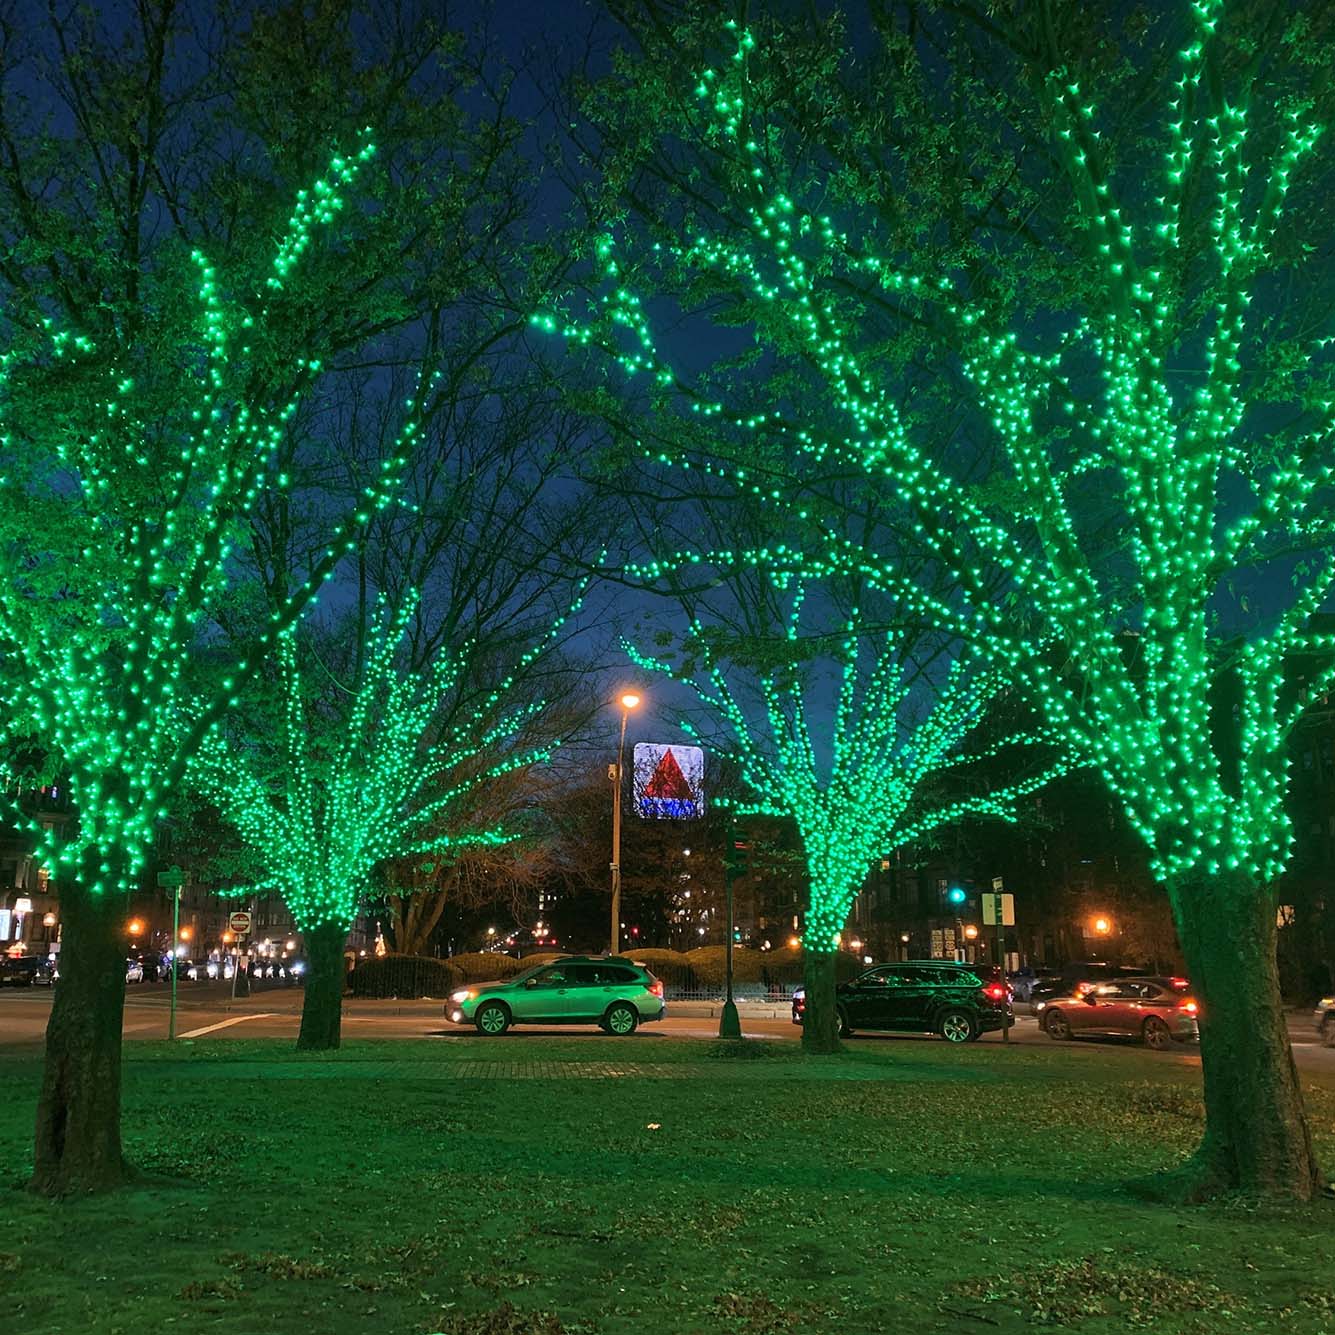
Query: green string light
{"points": [[881, 785], [1124, 658], [147, 513], [323, 817]]}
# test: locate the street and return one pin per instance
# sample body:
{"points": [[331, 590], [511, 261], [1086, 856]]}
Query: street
{"points": [[207, 1011]]}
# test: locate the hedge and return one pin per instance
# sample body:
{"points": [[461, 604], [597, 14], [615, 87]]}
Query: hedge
{"points": [[404, 976], [698, 970], [484, 966]]}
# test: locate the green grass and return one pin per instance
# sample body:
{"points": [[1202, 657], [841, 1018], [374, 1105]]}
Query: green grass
{"points": [[391, 1188]]}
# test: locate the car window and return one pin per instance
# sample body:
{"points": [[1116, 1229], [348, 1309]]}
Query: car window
{"points": [[911, 977], [601, 975], [554, 974], [877, 978], [961, 978]]}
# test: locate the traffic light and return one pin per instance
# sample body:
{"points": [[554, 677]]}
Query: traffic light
{"points": [[737, 857], [954, 899]]}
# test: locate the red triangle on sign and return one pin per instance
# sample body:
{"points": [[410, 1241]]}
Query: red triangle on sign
{"points": [[667, 780]]}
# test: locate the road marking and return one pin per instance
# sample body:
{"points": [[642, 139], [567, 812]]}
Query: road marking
{"points": [[222, 1024]]}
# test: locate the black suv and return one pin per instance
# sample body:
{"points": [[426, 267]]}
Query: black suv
{"points": [[957, 1001]]}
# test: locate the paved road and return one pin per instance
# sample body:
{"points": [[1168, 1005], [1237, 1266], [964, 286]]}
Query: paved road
{"points": [[206, 1010]]}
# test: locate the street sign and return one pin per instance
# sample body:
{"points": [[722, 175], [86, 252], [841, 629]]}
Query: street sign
{"points": [[171, 879], [998, 910], [669, 781], [239, 923]]}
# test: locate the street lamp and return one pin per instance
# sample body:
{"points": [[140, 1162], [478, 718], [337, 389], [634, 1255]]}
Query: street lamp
{"points": [[1102, 926], [628, 701], [134, 927], [971, 932]]}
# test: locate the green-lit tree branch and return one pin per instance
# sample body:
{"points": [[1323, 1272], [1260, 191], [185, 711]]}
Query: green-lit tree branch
{"points": [[347, 788], [876, 778], [149, 514]]}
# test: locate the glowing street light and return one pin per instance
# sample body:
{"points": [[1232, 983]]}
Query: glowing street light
{"points": [[134, 927], [1102, 926]]}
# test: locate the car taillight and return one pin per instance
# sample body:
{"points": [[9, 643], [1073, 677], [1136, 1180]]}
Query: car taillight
{"points": [[995, 991], [656, 987], [1179, 984], [1189, 1006]]}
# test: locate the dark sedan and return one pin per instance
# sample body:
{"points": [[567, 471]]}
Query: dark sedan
{"points": [[25, 970], [1155, 1010]]}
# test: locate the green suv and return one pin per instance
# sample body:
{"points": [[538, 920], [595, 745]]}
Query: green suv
{"points": [[614, 994]]}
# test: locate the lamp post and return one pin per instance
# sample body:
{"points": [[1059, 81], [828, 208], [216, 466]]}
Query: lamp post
{"points": [[628, 701]]}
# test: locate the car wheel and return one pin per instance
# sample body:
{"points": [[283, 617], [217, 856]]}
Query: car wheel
{"points": [[492, 1019], [957, 1027], [1156, 1034], [845, 1029], [1057, 1026], [621, 1019]]}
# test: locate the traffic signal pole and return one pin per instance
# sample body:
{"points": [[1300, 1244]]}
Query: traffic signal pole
{"points": [[176, 962]]}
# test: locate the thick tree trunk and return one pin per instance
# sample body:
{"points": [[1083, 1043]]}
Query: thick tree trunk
{"points": [[1256, 1135], [322, 1007], [820, 1021], [78, 1141]]}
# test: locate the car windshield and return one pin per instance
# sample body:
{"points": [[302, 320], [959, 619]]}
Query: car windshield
{"points": [[529, 973]]}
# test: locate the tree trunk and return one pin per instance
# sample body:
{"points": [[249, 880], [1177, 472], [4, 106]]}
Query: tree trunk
{"points": [[820, 1021], [1256, 1135], [78, 1141], [322, 1007]]}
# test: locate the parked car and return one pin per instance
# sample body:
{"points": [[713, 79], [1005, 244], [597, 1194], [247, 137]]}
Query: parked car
{"points": [[960, 1002], [617, 995], [1081, 973], [1153, 1010], [1325, 1020], [1023, 983], [134, 971], [25, 970]]}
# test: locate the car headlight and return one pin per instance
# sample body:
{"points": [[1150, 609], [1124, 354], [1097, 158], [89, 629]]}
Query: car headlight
{"points": [[463, 995], [296, 968], [1327, 1001]]}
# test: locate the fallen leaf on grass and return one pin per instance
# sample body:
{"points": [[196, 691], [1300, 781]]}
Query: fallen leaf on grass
{"points": [[199, 1289], [278, 1266], [754, 1313], [506, 1320], [1061, 1293]]}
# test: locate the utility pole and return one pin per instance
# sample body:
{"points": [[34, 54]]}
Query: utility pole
{"points": [[735, 864], [628, 701]]}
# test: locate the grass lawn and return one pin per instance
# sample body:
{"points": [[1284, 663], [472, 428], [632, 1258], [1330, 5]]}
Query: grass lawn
{"points": [[538, 1185]]}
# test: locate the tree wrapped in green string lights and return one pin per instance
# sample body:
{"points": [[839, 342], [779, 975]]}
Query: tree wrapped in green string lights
{"points": [[880, 763], [1158, 408], [127, 479], [382, 769]]}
